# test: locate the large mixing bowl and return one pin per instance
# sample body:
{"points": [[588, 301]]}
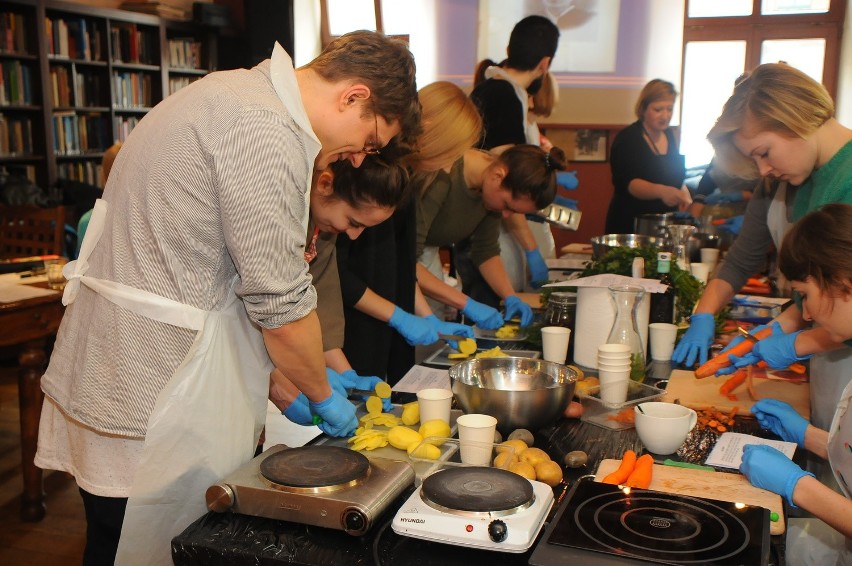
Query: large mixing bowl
{"points": [[518, 392], [602, 244]]}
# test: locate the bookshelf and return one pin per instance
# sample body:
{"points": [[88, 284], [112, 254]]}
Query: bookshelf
{"points": [[75, 79]]}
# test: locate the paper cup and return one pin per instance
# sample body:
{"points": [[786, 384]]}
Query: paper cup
{"points": [[662, 427], [614, 384], [554, 342], [618, 350], [435, 404], [476, 437], [710, 256], [663, 336], [700, 271]]}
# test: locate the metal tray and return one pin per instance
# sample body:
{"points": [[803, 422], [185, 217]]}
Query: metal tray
{"points": [[483, 334], [440, 358]]}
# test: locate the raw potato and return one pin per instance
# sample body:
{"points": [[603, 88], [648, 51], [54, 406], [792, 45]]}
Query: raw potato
{"points": [[548, 472], [411, 413], [533, 456], [523, 434], [424, 451], [523, 469], [505, 459], [383, 390], [518, 445], [576, 459], [498, 438]]}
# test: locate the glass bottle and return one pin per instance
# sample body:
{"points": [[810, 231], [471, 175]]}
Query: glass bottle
{"points": [[681, 233], [625, 330], [561, 311], [663, 304]]}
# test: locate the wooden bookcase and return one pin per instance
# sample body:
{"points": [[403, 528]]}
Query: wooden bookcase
{"points": [[76, 79]]}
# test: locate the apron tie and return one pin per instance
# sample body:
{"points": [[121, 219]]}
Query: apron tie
{"points": [[75, 270]]}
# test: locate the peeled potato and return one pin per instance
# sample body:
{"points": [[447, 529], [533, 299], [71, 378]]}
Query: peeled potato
{"points": [[425, 451], [523, 469], [435, 427], [549, 472], [410, 413]]}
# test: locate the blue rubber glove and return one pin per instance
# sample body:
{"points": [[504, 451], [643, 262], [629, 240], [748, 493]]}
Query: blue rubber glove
{"points": [[696, 341], [516, 307], [782, 419], [776, 329], [351, 380], [538, 268], [299, 411], [732, 225], [336, 382], [449, 328], [778, 351], [768, 468], [566, 202], [718, 197], [567, 180], [338, 415], [415, 330], [483, 316]]}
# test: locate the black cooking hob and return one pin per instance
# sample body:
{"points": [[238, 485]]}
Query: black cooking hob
{"points": [[477, 489], [315, 466], [604, 525]]}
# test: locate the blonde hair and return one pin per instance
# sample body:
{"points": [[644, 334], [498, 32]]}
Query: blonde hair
{"points": [[546, 98], [654, 90], [451, 124], [775, 97]]}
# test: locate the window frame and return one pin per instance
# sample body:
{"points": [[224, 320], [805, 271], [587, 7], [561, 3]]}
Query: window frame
{"points": [[325, 27]]}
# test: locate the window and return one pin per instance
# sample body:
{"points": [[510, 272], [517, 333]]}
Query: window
{"points": [[721, 40]]}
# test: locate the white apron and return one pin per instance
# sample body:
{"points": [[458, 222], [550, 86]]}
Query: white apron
{"points": [[206, 421], [840, 441]]}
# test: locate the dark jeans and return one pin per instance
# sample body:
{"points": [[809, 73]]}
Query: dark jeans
{"points": [[104, 516]]}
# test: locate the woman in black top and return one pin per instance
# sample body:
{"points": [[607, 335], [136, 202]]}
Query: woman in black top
{"points": [[647, 169]]}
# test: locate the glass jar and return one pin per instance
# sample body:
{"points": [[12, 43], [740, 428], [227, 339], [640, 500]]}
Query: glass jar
{"points": [[561, 311], [625, 330]]}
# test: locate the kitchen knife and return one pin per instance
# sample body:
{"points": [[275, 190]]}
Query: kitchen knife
{"points": [[795, 366]]}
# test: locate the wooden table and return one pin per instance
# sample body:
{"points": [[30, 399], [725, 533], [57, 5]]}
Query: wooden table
{"points": [[28, 325]]}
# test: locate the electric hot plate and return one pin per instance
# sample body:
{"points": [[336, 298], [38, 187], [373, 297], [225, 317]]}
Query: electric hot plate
{"points": [[603, 524]]}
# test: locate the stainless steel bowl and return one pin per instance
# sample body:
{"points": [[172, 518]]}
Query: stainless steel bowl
{"points": [[602, 244], [518, 392]]}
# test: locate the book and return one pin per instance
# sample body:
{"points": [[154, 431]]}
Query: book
{"points": [[728, 451]]}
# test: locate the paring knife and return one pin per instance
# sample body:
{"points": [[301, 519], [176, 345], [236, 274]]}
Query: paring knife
{"points": [[795, 366]]}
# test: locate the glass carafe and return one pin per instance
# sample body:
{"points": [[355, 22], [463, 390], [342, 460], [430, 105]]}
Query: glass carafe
{"points": [[625, 330], [681, 233]]}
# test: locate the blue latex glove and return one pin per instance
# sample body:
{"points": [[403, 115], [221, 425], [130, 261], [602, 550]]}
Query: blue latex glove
{"points": [[516, 307], [338, 415], [776, 329], [415, 330], [567, 180], [299, 411], [351, 380], [718, 197], [483, 316], [449, 328], [778, 351], [538, 268], [696, 341], [566, 202], [336, 382], [768, 468], [732, 225], [782, 419]]}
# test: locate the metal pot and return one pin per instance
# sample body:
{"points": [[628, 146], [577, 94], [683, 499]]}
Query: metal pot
{"points": [[653, 224], [602, 244]]}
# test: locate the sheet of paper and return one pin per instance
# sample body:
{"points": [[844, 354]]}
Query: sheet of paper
{"points": [[421, 377], [10, 292], [607, 279], [728, 451]]}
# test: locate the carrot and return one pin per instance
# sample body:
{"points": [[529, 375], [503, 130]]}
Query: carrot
{"points": [[724, 360], [619, 476], [733, 382], [642, 472]]}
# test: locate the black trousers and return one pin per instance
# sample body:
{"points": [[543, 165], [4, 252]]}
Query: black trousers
{"points": [[104, 516]]}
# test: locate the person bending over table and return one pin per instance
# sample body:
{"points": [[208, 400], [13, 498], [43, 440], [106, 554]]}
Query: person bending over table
{"points": [[816, 257]]}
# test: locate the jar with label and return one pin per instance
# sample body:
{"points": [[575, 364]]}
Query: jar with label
{"points": [[561, 311]]}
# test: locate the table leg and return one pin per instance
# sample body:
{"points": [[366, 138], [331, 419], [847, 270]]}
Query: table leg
{"points": [[32, 360]]}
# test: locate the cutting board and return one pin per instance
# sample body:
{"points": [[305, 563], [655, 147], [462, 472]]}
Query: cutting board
{"points": [[709, 485], [704, 393]]}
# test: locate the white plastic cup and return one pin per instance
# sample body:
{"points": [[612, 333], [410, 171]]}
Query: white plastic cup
{"points": [[614, 384], [710, 256], [435, 404], [614, 349], [662, 427], [663, 336], [554, 342], [700, 271], [476, 437]]}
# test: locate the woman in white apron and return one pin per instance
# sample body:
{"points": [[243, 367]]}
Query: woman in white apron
{"points": [[816, 257]]}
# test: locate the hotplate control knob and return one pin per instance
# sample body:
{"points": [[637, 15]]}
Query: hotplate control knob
{"points": [[354, 522], [497, 530], [219, 497]]}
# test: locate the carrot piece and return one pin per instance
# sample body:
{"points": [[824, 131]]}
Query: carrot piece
{"points": [[733, 382], [619, 476], [724, 360], [642, 472]]}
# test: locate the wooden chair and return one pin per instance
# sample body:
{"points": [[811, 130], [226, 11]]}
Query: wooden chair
{"points": [[30, 231]]}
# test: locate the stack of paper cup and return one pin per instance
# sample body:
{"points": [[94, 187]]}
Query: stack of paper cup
{"points": [[614, 372]]}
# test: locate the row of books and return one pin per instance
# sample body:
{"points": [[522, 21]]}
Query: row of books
{"points": [[76, 134], [74, 38], [133, 45], [85, 89], [16, 83], [177, 83], [133, 90], [185, 53], [87, 171], [123, 125], [16, 135], [13, 36]]}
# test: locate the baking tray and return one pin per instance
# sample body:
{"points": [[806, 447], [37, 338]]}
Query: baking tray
{"points": [[440, 358]]}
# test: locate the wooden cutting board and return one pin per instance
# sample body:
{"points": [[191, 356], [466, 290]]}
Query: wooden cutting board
{"points": [[723, 486], [704, 393]]}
